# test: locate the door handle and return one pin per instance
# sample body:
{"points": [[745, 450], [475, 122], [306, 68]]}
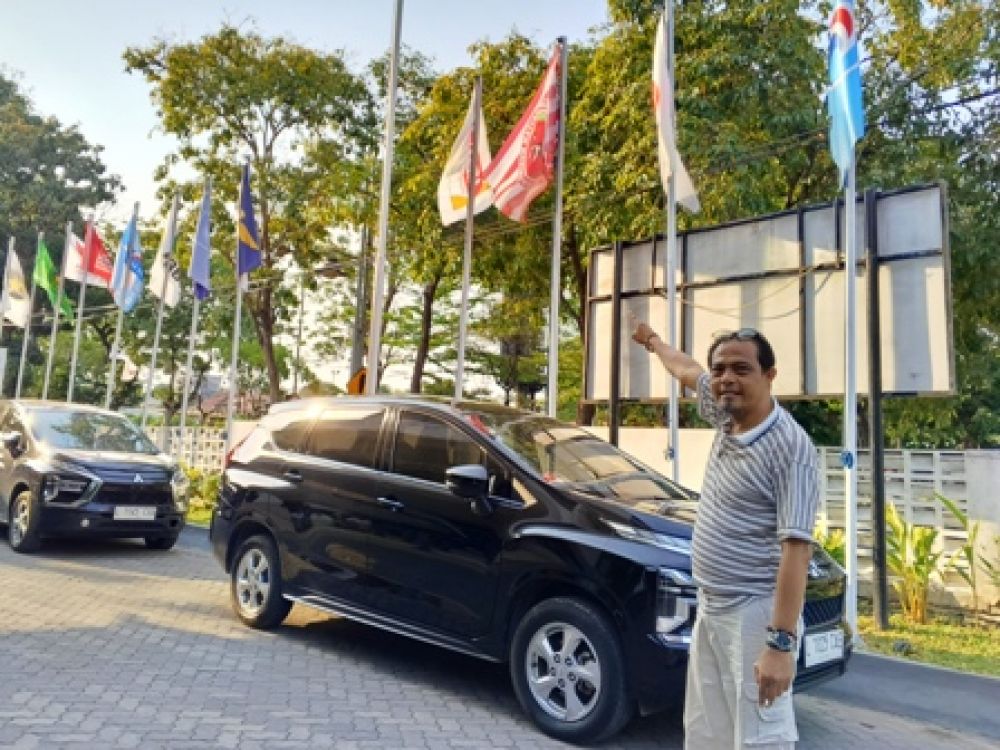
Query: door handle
{"points": [[292, 475], [390, 502]]}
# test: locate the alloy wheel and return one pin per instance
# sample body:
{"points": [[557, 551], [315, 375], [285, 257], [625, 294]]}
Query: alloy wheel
{"points": [[253, 582], [564, 672], [20, 519]]}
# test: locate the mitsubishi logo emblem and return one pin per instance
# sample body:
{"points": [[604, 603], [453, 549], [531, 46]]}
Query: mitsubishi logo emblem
{"points": [[138, 479]]}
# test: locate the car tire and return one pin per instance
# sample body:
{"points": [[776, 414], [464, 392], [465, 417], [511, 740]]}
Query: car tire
{"points": [[255, 584], [22, 523], [583, 700], [161, 542]]}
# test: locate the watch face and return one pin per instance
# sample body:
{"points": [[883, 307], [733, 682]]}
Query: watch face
{"points": [[779, 640]]}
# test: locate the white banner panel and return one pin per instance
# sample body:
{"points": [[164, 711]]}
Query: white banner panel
{"points": [[763, 274]]}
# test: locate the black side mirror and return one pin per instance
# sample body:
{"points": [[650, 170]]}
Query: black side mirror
{"points": [[471, 481], [11, 441]]}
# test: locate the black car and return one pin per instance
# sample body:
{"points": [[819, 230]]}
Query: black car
{"points": [[74, 470], [498, 533]]}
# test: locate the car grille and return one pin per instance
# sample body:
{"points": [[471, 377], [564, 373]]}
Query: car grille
{"points": [[134, 494], [823, 611], [149, 474]]}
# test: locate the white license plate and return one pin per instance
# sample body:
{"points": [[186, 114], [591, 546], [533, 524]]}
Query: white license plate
{"points": [[823, 647], [135, 513]]}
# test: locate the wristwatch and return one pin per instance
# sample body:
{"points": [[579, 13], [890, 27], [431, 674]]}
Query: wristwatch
{"points": [[781, 640]]}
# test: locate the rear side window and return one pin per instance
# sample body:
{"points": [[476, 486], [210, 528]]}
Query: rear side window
{"points": [[426, 447], [291, 436], [349, 435]]}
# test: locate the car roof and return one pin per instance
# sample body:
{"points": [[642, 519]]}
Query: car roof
{"points": [[436, 403], [37, 403]]}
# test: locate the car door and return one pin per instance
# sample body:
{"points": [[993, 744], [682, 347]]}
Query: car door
{"points": [[433, 560], [338, 481], [9, 422]]}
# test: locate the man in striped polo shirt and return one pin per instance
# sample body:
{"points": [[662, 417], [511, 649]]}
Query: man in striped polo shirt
{"points": [[751, 547]]}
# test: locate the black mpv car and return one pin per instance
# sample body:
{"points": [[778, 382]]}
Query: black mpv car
{"points": [[501, 534], [75, 470]]}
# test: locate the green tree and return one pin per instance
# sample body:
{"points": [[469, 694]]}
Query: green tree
{"points": [[234, 95]]}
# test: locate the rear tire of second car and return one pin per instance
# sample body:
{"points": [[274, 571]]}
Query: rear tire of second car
{"points": [[255, 584]]}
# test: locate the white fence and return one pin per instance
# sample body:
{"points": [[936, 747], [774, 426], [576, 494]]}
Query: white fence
{"points": [[202, 448]]}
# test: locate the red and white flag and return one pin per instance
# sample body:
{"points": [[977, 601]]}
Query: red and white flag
{"points": [[100, 267], [453, 189], [525, 165], [663, 109]]}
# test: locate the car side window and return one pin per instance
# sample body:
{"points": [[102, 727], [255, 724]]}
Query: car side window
{"points": [[288, 432], [427, 446], [347, 434]]}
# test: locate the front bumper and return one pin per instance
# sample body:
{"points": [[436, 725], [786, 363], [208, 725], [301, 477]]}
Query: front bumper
{"points": [[97, 520]]}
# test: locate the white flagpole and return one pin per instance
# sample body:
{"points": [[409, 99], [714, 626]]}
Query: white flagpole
{"points": [[55, 313], [87, 243], [237, 328], [378, 298], [849, 458], [118, 332], [555, 283], [171, 228], [470, 213], [4, 302], [187, 375], [672, 408], [27, 325]]}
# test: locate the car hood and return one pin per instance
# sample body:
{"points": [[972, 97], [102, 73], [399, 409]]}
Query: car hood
{"points": [[112, 460], [674, 516]]}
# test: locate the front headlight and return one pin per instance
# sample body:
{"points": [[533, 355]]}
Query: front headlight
{"points": [[677, 544], [676, 601], [180, 485]]}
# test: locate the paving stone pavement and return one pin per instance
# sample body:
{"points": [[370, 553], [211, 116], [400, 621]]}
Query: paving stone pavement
{"points": [[111, 645]]}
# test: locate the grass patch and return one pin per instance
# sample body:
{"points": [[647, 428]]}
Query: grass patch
{"points": [[969, 648], [199, 516]]}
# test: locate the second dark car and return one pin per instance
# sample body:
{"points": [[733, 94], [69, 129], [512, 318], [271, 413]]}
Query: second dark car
{"points": [[75, 470], [498, 533]]}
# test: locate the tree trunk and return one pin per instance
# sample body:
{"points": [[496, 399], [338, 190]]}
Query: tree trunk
{"points": [[426, 319]]}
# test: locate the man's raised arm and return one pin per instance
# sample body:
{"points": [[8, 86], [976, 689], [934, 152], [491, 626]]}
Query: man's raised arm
{"points": [[680, 365]]}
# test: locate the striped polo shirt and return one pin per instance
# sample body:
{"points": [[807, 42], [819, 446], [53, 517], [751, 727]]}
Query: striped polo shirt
{"points": [[760, 488]]}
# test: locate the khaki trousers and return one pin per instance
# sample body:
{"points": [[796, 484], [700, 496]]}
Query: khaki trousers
{"points": [[721, 711]]}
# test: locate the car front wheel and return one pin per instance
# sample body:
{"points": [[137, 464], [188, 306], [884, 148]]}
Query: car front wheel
{"points": [[256, 584], [22, 526], [568, 671]]}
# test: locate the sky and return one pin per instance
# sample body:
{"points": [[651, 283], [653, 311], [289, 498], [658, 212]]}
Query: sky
{"points": [[66, 55]]}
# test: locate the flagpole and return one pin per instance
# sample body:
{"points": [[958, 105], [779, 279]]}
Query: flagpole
{"points": [[187, 374], [27, 325], [87, 246], [849, 458], [378, 298], [5, 299], [171, 227], [470, 213], [55, 313], [673, 454], [237, 327], [555, 283], [118, 327]]}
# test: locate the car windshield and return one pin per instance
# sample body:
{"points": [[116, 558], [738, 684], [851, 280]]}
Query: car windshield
{"points": [[88, 431], [568, 455]]}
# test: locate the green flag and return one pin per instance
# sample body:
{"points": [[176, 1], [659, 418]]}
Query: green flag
{"points": [[46, 278]]}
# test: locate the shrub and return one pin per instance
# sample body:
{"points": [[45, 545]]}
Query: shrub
{"points": [[911, 558], [833, 541]]}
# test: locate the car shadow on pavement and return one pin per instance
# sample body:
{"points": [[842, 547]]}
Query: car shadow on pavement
{"points": [[474, 683]]}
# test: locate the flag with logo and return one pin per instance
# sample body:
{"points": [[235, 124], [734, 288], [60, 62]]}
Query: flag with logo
{"points": [[164, 276], [45, 277], [14, 299], [666, 136], [98, 261], [199, 269], [525, 164], [128, 276], [843, 99], [247, 245], [453, 189]]}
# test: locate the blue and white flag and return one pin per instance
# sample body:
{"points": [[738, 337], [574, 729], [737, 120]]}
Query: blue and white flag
{"points": [[247, 245], [200, 268], [843, 99], [127, 277]]}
